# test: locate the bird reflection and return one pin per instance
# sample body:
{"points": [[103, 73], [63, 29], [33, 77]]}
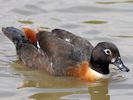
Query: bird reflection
{"points": [[40, 84], [99, 92]]}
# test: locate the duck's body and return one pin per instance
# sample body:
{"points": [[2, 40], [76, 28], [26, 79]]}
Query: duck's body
{"points": [[63, 53], [81, 44]]}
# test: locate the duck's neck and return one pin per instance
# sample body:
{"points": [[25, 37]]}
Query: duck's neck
{"points": [[85, 72], [99, 67]]}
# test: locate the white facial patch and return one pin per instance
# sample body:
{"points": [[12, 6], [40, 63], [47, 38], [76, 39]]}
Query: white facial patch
{"points": [[120, 66], [67, 40], [113, 60]]}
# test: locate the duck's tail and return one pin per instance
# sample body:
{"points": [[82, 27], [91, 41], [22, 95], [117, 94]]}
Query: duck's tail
{"points": [[19, 37], [15, 35]]}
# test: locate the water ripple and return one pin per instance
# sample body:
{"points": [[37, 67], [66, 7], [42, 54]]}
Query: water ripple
{"points": [[23, 12], [92, 9]]}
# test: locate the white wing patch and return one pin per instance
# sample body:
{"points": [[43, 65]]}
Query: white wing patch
{"points": [[67, 40], [38, 45]]}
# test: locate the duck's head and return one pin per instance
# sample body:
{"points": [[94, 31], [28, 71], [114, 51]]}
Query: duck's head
{"points": [[104, 54]]}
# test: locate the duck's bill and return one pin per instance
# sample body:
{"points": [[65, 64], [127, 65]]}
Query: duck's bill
{"points": [[118, 62]]}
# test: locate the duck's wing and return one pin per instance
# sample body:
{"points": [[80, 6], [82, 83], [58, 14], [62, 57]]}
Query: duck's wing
{"points": [[81, 43], [61, 53], [33, 57], [27, 52]]}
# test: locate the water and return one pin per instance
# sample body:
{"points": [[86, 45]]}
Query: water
{"points": [[96, 20]]}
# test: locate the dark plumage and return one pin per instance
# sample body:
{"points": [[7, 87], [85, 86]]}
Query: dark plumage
{"points": [[63, 53]]}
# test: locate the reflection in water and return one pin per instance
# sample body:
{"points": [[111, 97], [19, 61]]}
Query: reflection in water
{"points": [[123, 36], [48, 96], [99, 92], [95, 22], [42, 86], [115, 2], [25, 21]]}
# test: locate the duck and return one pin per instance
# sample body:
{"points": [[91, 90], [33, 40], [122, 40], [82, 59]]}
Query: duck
{"points": [[62, 53]]}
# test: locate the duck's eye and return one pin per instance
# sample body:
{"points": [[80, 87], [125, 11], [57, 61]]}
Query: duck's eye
{"points": [[107, 52]]}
